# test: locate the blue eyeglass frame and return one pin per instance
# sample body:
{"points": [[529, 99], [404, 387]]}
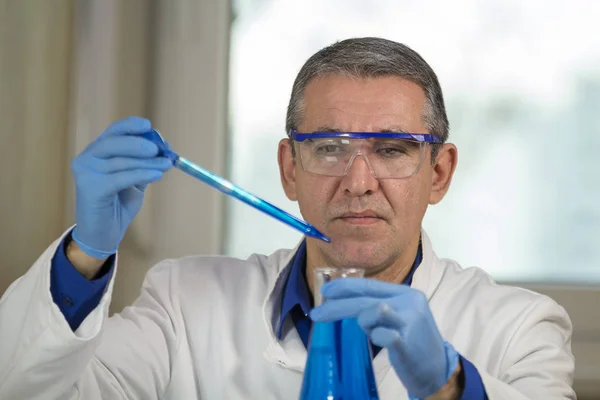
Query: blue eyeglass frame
{"points": [[419, 137]]}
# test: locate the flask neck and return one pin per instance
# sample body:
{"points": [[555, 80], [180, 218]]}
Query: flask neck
{"points": [[324, 275]]}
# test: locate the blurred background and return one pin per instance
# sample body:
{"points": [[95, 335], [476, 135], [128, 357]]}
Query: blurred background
{"points": [[521, 82]]}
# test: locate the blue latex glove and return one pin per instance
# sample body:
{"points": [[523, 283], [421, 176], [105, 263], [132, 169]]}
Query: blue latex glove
{"points": [[398, 318], [111, 175]]}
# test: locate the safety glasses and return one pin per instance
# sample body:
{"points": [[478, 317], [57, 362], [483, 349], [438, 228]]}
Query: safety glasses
{"points": [[387, 155]]}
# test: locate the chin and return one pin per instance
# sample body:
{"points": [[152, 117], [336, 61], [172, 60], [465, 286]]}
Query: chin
{"points": [[353, 253]]}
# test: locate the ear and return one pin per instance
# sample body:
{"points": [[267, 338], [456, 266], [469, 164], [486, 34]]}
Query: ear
{"points": [[287, 168], [443, 171]]}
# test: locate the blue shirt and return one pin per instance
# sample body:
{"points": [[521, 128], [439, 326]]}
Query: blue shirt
{"points": [[77, 296], [297, 303]]}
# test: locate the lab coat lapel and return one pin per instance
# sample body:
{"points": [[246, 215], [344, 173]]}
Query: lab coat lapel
{"points": [[429, 274], [275, 352]]}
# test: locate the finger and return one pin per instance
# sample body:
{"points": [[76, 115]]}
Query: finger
{"points": [[336, 309], [118, 164], [122, 146], [128, 126], [138, 177], [362, 287], [387, 337], [381, 315]]}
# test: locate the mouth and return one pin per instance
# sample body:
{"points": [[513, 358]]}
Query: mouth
{"points": [[360, 218]]}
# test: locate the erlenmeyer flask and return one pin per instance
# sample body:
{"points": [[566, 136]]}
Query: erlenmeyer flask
{"points": [[339, 365]]}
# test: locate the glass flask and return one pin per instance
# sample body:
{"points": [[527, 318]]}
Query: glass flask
{"points": [[338, 366]]}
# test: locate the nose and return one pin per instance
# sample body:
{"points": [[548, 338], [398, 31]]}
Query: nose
{"points": [[359, 180]]}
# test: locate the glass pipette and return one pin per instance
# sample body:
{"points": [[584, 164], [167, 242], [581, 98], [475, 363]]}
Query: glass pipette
{"points": [[230, 189]]}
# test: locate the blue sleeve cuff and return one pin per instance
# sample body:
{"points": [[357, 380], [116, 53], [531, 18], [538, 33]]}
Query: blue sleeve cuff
{"points": [[74, 295], [473, 388]]}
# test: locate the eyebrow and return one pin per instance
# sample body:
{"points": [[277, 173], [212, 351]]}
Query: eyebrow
{"points": [[326, 128], [393, 129]]}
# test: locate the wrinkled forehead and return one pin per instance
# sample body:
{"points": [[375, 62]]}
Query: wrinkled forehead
{"points": [[368, 105]]}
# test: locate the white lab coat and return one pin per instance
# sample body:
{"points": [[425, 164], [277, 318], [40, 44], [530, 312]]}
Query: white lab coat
{"points": [[204, 328]]}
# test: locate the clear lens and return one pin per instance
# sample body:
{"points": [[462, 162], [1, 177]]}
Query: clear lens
{"points": [[387, 158]]}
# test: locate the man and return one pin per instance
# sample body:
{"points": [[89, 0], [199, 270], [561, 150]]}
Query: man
{"points": [[366, 155]]}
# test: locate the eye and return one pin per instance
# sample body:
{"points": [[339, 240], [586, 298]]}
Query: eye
{"points": [[396, 148], [392, 151], [328, 149]]}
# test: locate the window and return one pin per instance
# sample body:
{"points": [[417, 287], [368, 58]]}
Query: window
{"points": [[522, 95]]}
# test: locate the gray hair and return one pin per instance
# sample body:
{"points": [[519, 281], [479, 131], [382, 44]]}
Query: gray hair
{"points": [[372, 57]]}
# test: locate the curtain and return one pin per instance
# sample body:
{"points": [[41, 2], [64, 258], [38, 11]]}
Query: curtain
{"points": [[67, 70]]}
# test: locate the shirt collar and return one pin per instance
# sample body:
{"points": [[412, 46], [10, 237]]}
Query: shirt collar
{"points": [[296, 293]]}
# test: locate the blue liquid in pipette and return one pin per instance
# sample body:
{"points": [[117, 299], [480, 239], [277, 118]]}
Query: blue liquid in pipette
{"points": [[339, 364], [230, 189]]}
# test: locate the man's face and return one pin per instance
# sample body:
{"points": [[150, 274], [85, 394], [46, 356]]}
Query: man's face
{"points": [[370, 221]]}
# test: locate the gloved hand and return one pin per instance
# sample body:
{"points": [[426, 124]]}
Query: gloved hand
{"points": [[111, 175], [398, 318]]}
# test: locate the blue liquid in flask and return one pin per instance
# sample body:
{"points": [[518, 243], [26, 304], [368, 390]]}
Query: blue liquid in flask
{"points": [[339, 364], [357, 377], [322, 371]]}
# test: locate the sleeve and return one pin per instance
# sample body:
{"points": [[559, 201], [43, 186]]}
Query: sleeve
{"points": [[538, 362], [41, 357], [75, 295], [473, 385]]}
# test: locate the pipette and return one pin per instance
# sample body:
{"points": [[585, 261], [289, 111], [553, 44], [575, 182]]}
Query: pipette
{"points": [[230, 189]]}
